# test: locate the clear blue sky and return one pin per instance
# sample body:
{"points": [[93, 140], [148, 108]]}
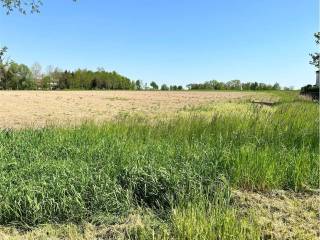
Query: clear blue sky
{"points": [[171, 41]]}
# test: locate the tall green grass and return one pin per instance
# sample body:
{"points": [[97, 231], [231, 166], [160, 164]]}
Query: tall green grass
{"points": [[93, 172]]}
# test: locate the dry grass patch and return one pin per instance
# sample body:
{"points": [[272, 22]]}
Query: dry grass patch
{"points": [[20, 109], [282, 214]]}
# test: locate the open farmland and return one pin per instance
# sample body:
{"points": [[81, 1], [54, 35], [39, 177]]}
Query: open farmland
{"points": [[159, 120], [220, 167], [19, 109]]}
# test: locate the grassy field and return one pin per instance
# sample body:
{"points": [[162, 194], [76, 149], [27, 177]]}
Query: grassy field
{"points": [[171, 178]]}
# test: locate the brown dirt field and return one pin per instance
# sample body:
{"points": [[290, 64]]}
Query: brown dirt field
{"points": [[19, 109]]}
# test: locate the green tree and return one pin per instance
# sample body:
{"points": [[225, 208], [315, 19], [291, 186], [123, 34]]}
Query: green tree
{"points": [[276, 86], [154, 85], [164, 87], [64, 80], [45, 83], [173, 88], [19, 77], [234, 85], [316, 56], [2, 67], [138, 84]]}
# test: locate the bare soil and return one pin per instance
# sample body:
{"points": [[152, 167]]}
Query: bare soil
{"points": [[19, 109]]}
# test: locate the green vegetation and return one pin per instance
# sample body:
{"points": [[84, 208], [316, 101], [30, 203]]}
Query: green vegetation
{"points": [[233, 85], [178, 171], [15, 76], [164, 87], [154, 85]]}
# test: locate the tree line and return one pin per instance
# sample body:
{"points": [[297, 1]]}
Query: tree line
{"points": [[234, 85], [14, 76]]}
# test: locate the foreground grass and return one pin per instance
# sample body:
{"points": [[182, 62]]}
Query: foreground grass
{"points": [[179, 171]]}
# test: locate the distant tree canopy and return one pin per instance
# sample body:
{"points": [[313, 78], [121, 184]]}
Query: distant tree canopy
{"points": [[139, 85], [176, 88], [154, 85], [232, 85], [86, 79], [164, 87], [16, 76]]}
